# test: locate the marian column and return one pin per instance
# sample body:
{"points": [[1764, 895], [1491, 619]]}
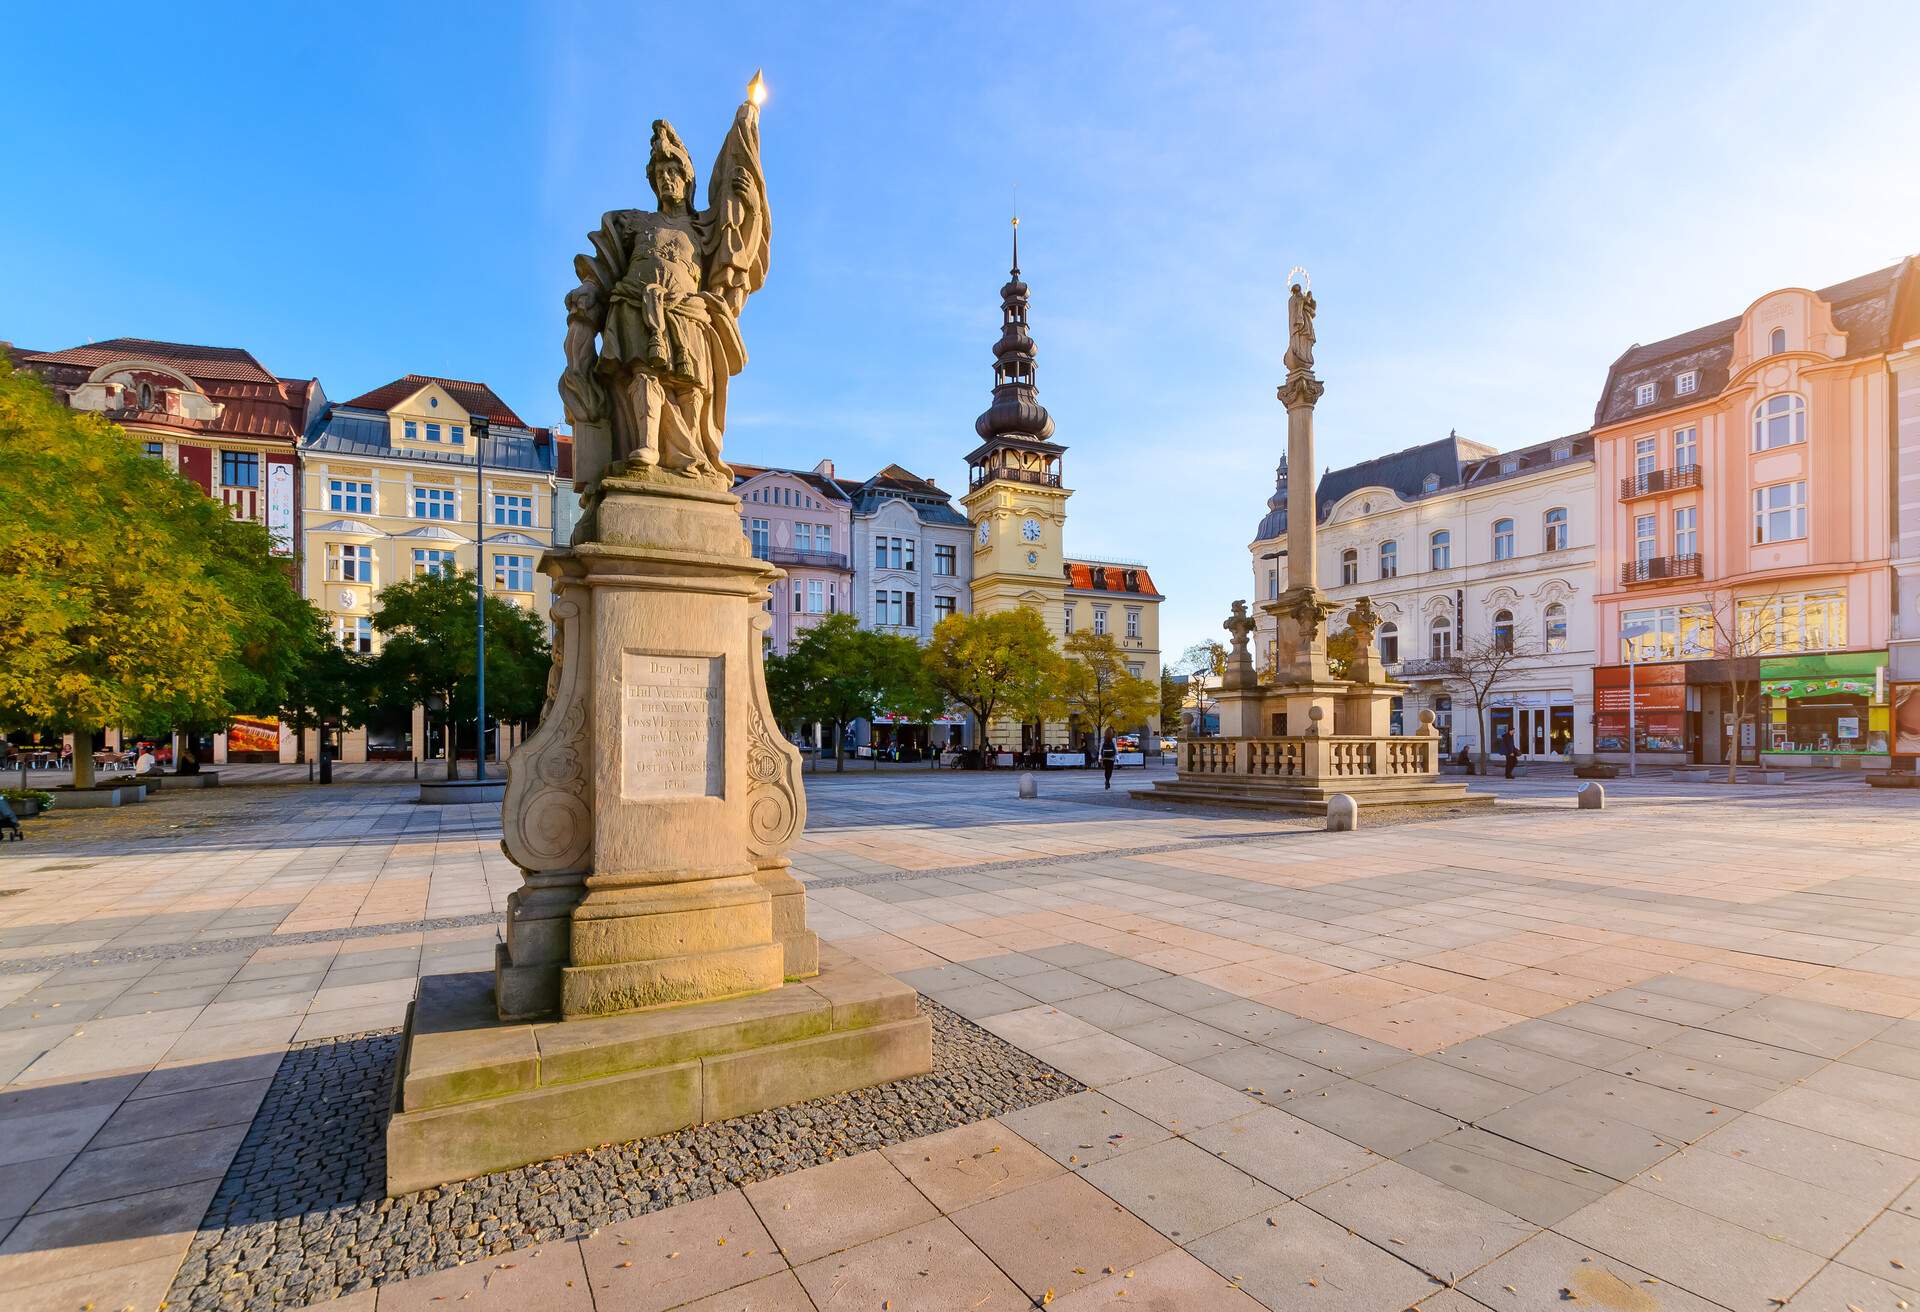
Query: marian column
{"points": [[1301, 610]]}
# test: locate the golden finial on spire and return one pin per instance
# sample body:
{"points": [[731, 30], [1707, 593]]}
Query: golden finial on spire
{"points": [[757, 88]]}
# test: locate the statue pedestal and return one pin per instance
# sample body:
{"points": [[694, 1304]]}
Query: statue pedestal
{"points": [[651, 812]]}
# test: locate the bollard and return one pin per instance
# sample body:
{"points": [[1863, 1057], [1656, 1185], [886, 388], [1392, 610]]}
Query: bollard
{"points": [[1593, 798], [1343, 814], [1029, 786]]}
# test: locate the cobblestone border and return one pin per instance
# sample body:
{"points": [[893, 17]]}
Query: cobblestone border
{"points": [[302, 1216]]}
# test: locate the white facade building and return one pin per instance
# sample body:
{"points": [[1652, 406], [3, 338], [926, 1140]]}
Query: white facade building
{"points": [[1456, 542]]}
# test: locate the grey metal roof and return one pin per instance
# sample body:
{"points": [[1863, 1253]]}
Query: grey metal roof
{"points": [[1864, 308], [1405, 472], [343, 430]]}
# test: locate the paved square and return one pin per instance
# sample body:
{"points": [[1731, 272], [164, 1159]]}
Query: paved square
{"points": [[1659, 1056]]}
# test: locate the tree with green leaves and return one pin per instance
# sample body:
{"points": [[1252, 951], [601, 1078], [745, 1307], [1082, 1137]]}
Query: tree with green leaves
{"points": [[333, 686], [1098, 690], [127, 595], [427, 654], [1172, 697], [836, 672], [1003, 663], [1208, 657]]}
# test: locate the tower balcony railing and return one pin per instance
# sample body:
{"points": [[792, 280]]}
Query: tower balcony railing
{"points": [[1658, 569], [1038, 477], [1439, 667], [816, 559], [1656, 481]]}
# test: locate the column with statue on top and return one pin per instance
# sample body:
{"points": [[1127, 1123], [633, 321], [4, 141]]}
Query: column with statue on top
{"points": [[1311, 725]]}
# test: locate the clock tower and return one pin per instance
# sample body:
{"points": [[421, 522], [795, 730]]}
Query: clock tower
{"points": [[1015, 495]]}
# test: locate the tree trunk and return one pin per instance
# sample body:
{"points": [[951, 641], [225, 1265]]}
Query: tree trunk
{"points": [[453, 753], [83, 760], [839, 749], [1480, 715], [1733, 748]]}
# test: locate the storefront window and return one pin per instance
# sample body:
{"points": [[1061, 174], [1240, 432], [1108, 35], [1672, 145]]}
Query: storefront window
{"points": [[1826, 705], [1668, 633]]}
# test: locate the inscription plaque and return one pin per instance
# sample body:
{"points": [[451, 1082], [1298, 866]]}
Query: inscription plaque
{"points": [[673, 725]]}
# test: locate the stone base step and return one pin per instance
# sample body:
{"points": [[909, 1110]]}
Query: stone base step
{"points": [[1302, 799], [475, 1094]]}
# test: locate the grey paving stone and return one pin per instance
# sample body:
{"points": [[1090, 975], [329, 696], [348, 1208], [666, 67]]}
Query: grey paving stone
{"points": [[1552, 1271], [1177, 993], [1371, 1118], [1892, 1092], [1100, 1059], [1254, 1021], [1725, 996], [1812, 1027], [1624, 1025], [1010, 966], [1510, 1176], [100, 1174], [1441, 1230], [1053, 984], [1843, 1287], [1662, 1006], [1599, 1143], [979, 1000], [1888, 1249], [1510, 1064], [1819, 1220], [1119, 972], [1263, 1074], [1072, 955], [1279, 1149], [1112, 1009], [1673, 1116], [1863, 1123], [22, 1183], [1085, 1128], [1879, 1055], [1181, 1190], [1180, 1039], [1337, 1049], [1452, 1090], [1745, 1271], [1815, 1156], [936, 980], [1180, 1099], [1696, 1078], [1293, 1254], [1567, 1042], [1769, 1061]]}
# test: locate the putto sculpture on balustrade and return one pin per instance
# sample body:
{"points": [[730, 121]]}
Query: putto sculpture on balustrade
{"points": [[1292, 741]]}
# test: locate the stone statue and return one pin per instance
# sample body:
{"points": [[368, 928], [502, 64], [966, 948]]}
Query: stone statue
{"points": [[661, 291], [1301, 308]]}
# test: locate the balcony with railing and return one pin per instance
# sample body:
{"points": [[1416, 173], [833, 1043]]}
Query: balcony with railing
{"points": [[1656, 481], [1039, 477], [1659, 569], [1440, 667], [835, 560]]}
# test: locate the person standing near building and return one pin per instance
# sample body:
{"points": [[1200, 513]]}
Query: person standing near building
{"points": [[1510, 749], [1109, 753]]}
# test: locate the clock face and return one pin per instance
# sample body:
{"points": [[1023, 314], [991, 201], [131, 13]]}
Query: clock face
{"points": [[985, 531], [1030, 530]]}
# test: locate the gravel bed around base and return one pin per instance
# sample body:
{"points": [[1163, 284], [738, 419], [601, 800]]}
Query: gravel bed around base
{"points": [[301, 1216]]}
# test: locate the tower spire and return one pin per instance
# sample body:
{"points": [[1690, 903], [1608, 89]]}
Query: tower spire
{"points": [[1016, 410]]}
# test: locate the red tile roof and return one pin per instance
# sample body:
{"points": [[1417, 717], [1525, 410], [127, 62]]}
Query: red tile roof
{"points": [[474, 398], [1080, 577], [200, 363], [253, 402]]}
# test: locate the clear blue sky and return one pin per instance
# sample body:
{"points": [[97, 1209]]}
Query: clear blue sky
{"points": [[1493, 201]]}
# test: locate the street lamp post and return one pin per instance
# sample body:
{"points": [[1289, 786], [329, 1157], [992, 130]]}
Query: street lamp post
{"points": [[479, 424]]}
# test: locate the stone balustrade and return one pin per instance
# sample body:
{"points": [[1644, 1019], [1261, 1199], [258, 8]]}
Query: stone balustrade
{"points": [[1321, 757]]}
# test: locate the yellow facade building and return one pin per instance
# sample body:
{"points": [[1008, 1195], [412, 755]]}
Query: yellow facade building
{"points": [[391, 488], [1017, 499]]}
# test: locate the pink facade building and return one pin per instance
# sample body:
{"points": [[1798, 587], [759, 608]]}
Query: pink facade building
{"points": [[802, 521], [1745, 531]]}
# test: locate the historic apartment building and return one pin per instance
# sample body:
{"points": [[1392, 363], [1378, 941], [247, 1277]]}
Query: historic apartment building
{"points": [[219, 418], [1456, 543], [1745, 535], [1016, 500], [1903, 654], [392, 487], [800, 520]]}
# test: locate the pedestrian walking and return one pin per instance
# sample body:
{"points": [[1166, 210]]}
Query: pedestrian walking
{"points": [[1511, 750], [1109, 753]]}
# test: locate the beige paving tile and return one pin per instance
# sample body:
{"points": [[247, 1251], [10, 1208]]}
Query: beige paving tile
{"points": [[550, 1277], [1058, 1235], [971, 1164], [1171, 1282], [826, 1208], [931, 1267], [680, 1254]]}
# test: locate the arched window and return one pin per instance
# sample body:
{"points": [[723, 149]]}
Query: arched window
{"points": [[1389, 559], [1503, 539], [1440, 638], [1440, 550], [1555, 521], [1503, 630], [1777, 341], [1349, 566], [1556, 617], [1389, 639], [1779, 421], [146, 396]]}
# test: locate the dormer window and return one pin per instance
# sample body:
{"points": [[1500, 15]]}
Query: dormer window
{"points": [[1509, 466], [1777, 341], [1644, 394], [1562, 450], [1687, 383], [1431, 483]]}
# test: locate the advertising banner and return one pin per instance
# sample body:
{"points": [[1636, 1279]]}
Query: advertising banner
{"points": [[280, 509], [253, 733]]}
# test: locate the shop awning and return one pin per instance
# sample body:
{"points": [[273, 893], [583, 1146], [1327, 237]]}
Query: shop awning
{"points": [[1794, 689]]}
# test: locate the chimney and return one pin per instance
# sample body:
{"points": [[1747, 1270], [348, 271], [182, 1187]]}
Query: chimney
{"points": [[824, 469]]}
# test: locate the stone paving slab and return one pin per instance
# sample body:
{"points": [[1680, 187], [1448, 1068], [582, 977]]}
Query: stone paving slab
{"points": [[1712, 1051]]}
